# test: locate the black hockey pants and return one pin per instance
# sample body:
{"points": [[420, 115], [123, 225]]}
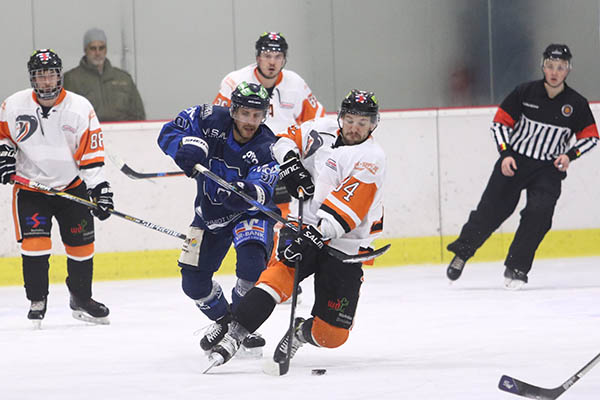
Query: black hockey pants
{"points": [[542, 182]]}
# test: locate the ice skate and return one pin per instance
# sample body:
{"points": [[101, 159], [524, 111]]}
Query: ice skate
{"points": [[455, 268], [215, 332], [89, 310], [37, 311], [227, 347], [514, 279], [298, 340], [252, 346]]}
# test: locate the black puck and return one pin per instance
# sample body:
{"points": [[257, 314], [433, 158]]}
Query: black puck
{"points": [[318, 371]]}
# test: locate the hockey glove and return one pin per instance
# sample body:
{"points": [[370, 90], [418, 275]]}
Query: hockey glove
{"points": [[235, 202], [103, 197], [8, 163], [294, 176], [305, 246], [192, 150]]}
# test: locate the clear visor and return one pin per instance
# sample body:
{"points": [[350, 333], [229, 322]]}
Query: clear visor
{"points": [[556, 64], [246, 115]]}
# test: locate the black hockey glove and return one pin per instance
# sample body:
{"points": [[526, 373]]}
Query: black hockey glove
{"points": [[305, 246], [103, 197], [192, 150], [235, 202], [294, 176], [8, 163]]}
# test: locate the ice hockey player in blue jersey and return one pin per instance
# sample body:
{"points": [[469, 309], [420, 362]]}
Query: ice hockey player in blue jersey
{"points": [[235, 144]]}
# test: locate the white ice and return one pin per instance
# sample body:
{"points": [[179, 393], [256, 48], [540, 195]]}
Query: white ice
{"points": [[415, 337]]}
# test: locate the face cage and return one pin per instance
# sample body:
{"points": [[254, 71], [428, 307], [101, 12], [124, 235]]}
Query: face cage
{"points": [[236, 107], [47, 94], [374, 118]]}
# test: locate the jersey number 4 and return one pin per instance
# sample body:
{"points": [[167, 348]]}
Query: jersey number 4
{"points": [[349, 189]]}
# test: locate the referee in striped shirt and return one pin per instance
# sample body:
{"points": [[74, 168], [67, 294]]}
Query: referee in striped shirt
{"points": [[539, 129]]}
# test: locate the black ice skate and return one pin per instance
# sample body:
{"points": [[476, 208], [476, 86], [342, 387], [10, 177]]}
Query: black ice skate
{"points": [[514, 279], [215, 332], [252, 346], [298, 340], [89, 310], [37, 311], [455, 268], [227, 347]]}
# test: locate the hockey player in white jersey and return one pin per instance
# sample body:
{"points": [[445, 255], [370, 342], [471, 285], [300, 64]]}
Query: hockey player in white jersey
{"points": [[52, 136], [341, 170]]}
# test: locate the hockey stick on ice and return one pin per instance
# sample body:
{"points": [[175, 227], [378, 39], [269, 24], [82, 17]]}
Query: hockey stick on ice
{"points": [[520, 388], [340, 255], [133, 174], [90, 204]]}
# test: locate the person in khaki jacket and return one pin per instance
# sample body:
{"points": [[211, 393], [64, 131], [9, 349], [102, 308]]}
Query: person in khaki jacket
{"points": [[111, 90]]}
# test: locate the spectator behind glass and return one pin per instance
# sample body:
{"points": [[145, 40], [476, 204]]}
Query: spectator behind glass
{"points": [[111, 90]]}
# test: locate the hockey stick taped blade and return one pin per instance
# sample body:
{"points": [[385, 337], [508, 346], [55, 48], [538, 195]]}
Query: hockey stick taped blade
{"points": [[273, 368]]}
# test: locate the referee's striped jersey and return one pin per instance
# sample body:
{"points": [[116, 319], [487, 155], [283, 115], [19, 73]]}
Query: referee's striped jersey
{"points": [[532, 124]]}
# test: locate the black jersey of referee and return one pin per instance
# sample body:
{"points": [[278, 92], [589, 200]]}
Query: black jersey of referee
{"points": [[532, 124]]}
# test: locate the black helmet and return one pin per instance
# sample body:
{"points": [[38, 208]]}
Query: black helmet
{"points": [[45, 60], [360, 102], [560, 51], [250, 95], [271, 41]]}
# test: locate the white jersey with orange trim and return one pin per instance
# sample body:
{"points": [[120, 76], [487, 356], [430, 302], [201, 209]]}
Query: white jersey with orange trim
{"points": [[348, 199], [292, 101], [56, 148]]}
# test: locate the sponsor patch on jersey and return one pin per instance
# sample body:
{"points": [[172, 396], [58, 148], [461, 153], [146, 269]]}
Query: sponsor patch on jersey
{"points": [[530, 105], [286, 105], [567, 110], [26, 126], [250, 157], [250, 229], [36, 220], [331, 164], [68, 128], [361, 165]]}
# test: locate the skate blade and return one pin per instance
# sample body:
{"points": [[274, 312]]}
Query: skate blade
{"points": [[82, 316], [513, 284], [270, 367], [252, 353], [214, 362], [37, 324]]}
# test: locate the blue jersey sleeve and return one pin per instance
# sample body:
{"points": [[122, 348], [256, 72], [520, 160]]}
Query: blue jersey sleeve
{"points": [[172, 132]]}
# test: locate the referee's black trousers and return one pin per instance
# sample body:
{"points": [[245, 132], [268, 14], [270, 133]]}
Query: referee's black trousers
{"points": [[542, 182]]}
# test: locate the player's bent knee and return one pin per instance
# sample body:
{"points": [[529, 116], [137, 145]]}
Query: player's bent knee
{"points": [[326, 335], [277, 280]]}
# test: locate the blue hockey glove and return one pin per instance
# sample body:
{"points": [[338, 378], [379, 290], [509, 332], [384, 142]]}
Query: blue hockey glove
{"points": [[294, 176], [8, 163], [103, 197], [304, 247], [234, 202], [192, 150]]}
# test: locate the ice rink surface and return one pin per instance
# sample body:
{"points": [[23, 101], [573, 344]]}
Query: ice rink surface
{"points": [[415, 337]]}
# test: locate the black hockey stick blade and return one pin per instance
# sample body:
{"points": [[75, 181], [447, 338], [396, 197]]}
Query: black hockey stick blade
{"points": [[133, 174], [520, 388], [340, 255]]}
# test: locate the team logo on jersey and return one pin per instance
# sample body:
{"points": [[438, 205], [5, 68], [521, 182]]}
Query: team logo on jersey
{"points": [[567, 110], [315, 141], [26, 126]]}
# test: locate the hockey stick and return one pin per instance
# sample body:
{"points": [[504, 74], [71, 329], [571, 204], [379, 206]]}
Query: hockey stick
{"points": [[90, 204], [520, 388], [340, 255], [130, 172]]}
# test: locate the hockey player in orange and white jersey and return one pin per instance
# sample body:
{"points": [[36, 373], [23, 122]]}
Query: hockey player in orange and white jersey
{"points": [[52, 136], [345, 208], [292, 101]]}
